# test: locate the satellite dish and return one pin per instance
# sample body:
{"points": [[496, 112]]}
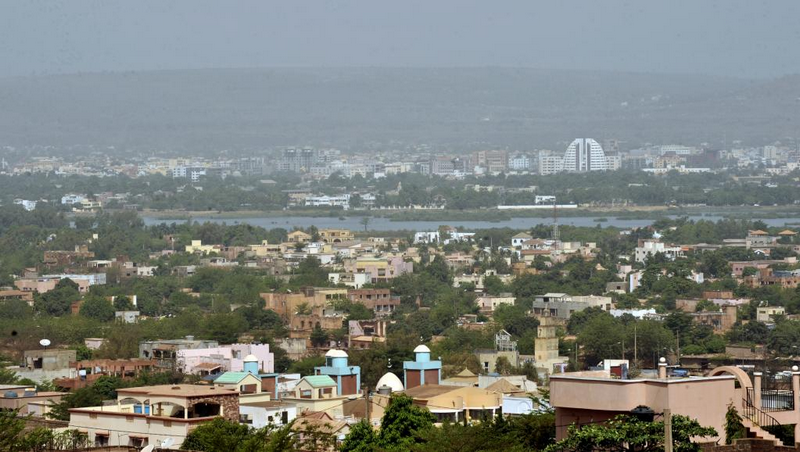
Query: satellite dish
{"points": [[168, 442], [149, 448], [44, 342]]}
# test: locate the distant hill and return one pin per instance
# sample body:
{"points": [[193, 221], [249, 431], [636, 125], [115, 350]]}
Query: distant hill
{"points": [[353, 108]]}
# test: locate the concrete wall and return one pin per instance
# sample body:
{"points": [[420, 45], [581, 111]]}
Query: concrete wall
{"points": [[582, 400]]}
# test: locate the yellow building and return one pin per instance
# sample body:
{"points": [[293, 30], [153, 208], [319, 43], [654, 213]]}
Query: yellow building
{"points": [[335, 235], [454, 403], [299, 237], [198, 248], [265, 249], [317, 393]]}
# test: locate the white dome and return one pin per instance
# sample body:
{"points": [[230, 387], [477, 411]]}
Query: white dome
{"points": [[333, 353], [251, 359], [389, 379], [422, 349]]}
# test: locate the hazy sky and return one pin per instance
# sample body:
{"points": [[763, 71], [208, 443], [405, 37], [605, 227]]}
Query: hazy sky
{"points": [[729, 37]]}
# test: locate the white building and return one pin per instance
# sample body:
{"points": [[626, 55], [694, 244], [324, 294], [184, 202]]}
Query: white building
{"points": [[520, 162], [648, 248], [550, 164], [584, 154], [72, 199], [26, 204], [426, 237], [330, 201]]}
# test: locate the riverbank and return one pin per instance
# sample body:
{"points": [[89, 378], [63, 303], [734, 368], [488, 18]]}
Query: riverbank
{"points": [[490, 215]]}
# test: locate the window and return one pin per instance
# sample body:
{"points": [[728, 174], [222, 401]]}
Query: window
{"points": [[100, 440]]}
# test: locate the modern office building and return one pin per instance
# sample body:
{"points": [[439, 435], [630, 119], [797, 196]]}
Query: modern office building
{"points": [[584, 154]]}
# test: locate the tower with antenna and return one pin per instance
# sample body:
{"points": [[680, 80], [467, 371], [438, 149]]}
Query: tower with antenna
{"points": [[556, 235]]}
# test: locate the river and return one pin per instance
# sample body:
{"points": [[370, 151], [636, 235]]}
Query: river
{"points": [[385, 224]]}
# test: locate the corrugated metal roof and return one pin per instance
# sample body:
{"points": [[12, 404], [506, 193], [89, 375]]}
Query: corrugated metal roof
{"points": [[319, 380]]}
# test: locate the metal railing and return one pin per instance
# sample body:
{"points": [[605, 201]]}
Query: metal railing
{"points": [[756, 415], [773, 399]]}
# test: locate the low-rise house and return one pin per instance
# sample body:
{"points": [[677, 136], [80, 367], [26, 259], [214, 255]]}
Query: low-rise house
{"points": [[298, 237], [165, 352], [648, 248], [429, 237], [276, 413], [767, 314], [380, 301], [519, 239], [335, 235], [88, 371], [197, 247], [721, 321], [9, 294], [457, 403], [223, 358], [503, 347], [770, 277], [27, 400], [563, 305], [581, 398], [302, 325], [488, 303], [47, 283], [316, 393], [738, 267], [379, 269], [126, 316], [151, 415], [363, 334], [286, 304]]}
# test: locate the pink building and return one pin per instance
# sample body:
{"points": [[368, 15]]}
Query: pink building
{"points": [[212, 361], [584, 398]]}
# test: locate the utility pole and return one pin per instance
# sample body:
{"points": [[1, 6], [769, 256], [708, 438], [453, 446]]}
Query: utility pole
{"points": [[634, 344], [667, 430], [366, 399]]}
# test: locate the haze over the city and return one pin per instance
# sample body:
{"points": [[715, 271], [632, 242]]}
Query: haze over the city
{"points": [[741, 38]]}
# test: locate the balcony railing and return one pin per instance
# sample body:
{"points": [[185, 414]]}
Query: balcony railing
{"points": [[772, 399]]}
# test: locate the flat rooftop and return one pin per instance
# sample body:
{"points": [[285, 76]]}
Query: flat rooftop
{"points": [[179, 391]]}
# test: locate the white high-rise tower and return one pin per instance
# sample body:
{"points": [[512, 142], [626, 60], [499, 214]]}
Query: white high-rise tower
{"points": [[584, 154]]}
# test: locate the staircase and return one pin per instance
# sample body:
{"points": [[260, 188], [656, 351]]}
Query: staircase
{"points": [[754, 419], [754, 431]]}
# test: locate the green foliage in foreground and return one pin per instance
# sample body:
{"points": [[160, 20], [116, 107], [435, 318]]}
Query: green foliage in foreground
{"points": [[221, 435], [15, 438], [625, 433]]}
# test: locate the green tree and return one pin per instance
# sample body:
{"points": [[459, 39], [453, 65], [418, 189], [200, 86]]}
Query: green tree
{"points": [[97, 307], [601, 337], [625, 433], [219, 435], [493, 285], [123, 303], [224, 328], [734, 428], [318, 337], [81, 398], [362, 438], [403, 424], [57, 302]]}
